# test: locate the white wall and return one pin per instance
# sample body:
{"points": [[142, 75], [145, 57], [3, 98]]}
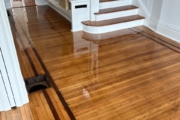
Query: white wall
{"points": [[162, 16], [148, 4], [7, 4], [169, 22], [170, 12]]}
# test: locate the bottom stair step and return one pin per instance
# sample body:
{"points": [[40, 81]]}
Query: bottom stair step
{"points": [[110, 25]]}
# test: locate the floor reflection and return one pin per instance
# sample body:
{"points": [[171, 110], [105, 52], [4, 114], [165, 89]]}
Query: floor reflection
{"points": [[22, 3]]}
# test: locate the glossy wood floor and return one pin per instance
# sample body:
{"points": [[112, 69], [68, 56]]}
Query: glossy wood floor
{"points": [[128, 74]]}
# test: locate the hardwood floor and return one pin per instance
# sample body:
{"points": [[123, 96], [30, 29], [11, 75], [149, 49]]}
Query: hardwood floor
{"points": [[128, 74]]}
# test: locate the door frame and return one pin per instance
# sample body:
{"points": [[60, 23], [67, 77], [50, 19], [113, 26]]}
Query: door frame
{"points": [[4, 101], [11, 60]]}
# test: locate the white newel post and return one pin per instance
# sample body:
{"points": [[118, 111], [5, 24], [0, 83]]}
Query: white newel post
{"points": [[12, 77], [80, 10]]}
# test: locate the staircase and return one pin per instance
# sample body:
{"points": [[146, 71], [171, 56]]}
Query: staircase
{"points": [[113, 15]]}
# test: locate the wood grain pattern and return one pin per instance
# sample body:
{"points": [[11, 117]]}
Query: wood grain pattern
{"points": [[116, 9], [113, 21], [131, 74]]}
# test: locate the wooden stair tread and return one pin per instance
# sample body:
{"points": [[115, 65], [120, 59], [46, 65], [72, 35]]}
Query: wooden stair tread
{"points": [[107, 0], [116, 9], [113, 21]]}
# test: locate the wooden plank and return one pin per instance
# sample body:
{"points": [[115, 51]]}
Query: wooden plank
{"points": [[41, 106], [32, 105], [59, 104], [49, 112], [3, 116], [8, 115]]}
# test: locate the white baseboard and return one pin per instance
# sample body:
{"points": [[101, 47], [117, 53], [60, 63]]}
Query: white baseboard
{"points": [[169, 31], [175, 28], [166, 31], [55, 5]]}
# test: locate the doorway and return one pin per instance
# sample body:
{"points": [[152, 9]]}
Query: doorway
{"points": [[23, 3]]}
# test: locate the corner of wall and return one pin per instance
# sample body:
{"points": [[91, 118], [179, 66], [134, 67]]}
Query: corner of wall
{"points": [[156, 25]]}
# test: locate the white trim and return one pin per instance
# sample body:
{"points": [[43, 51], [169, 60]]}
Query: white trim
{"points": [[151, 23], [4, 102], [6, 80], [11, 60], [79, 14], [169, 26], [144, 8], [114, 27], [55, 5], [168, 31]]}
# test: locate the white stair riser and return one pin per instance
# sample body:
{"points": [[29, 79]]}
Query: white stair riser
{"points": [[116, 14], [104, 5], [114, 27]]}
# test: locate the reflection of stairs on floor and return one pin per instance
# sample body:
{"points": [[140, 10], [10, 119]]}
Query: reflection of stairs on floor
{"points": [[110, 37], [114, 15]]}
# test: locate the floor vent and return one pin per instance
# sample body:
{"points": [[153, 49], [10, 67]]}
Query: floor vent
{"points": [[37, 83]]}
